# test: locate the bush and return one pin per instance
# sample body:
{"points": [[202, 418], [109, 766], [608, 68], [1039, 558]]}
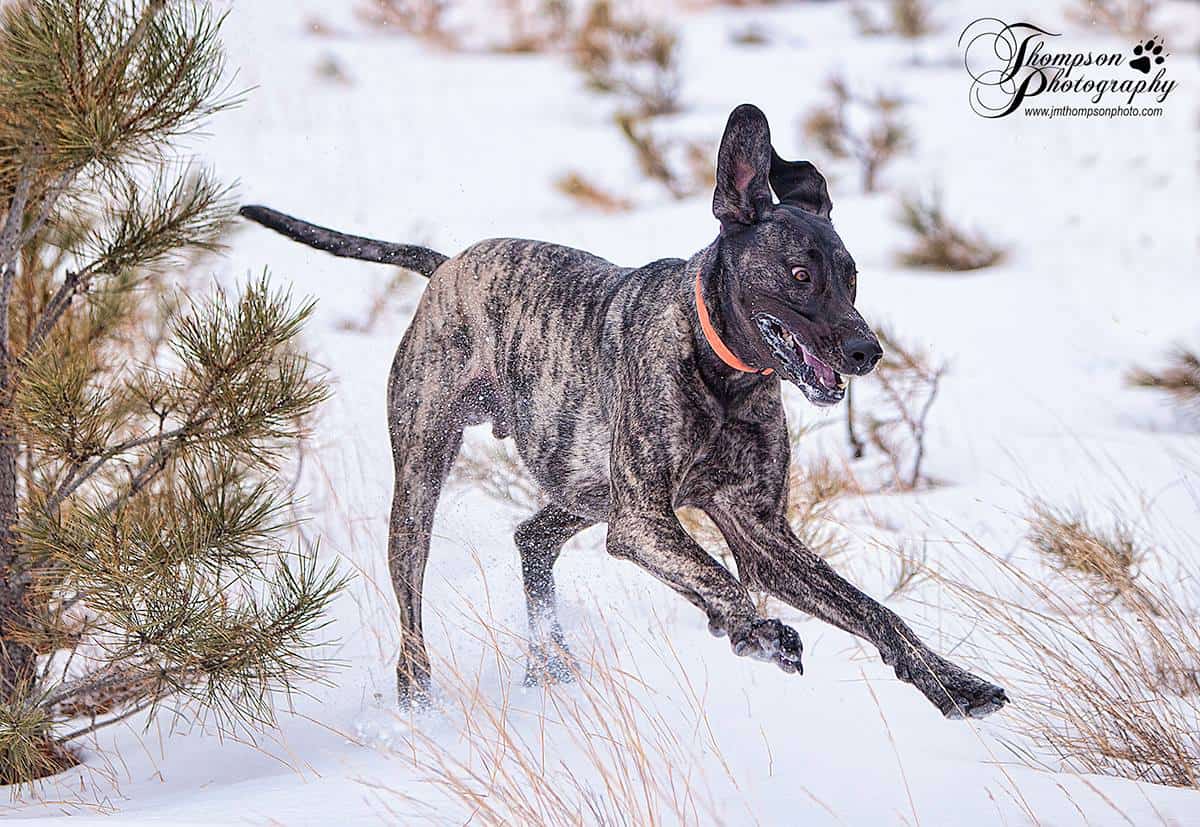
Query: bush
{"points": [[873, 140], [629, 56]]}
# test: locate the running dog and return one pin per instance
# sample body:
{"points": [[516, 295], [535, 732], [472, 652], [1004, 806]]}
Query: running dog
{"points": [[631, 392]]}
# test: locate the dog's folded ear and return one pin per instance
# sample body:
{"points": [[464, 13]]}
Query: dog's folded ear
{"points": [[743, 191], [800, 184]]}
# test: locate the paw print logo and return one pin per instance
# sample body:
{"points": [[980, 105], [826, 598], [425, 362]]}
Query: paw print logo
{"points": [[1147, 54]]}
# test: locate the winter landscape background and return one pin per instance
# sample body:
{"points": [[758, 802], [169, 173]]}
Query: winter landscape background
{"points": [[388, 135]]}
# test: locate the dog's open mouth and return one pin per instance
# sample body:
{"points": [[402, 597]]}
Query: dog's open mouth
{"points": [[821, 384]]}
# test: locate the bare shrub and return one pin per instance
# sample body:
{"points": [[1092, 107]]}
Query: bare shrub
{"points": [[872, 141], [906, 18], [1110, 687], [1124, 17], [424, 19], [586, 193], [628, 55], [1178, 378], [534, 25], [903, 387], [683, 166], [399, 284], [940, 245]]}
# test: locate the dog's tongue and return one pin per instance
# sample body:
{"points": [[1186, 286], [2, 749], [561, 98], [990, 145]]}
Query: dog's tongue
{"points": [[823, 371]]}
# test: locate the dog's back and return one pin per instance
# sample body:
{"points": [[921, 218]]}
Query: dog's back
{"points": [[540, 321]]}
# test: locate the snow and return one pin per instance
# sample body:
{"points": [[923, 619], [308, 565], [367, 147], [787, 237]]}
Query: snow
{"points": [[1100, 216]]}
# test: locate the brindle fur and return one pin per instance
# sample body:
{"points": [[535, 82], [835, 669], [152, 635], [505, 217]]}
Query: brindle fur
{"points": [[622, 413]]}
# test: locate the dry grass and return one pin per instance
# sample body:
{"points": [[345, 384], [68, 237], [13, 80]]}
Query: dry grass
{"points": [[938, 244], [591, 752], [1178, 378], [893, 419], [1123, 17], [586, 193], [1106, 559], [495, 468], [1109, 687], [909, 567]]}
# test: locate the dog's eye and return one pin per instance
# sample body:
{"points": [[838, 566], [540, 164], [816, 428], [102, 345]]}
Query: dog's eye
{"points": [[800, 274]]}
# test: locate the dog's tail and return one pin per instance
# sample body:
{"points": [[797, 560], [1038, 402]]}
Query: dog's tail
{"points": [[409, 256]]}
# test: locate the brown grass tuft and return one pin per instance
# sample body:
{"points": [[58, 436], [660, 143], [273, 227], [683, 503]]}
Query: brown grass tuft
{"points": [[588, 194], [1178, 378], [1108, 560], [940, 245]]}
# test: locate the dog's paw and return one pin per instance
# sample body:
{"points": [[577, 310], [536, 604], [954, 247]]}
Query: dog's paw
{"points": [[973, 697], [547, 666], [954, 691], [768, 640]]}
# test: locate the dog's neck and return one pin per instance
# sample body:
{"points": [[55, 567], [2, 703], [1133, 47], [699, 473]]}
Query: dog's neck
{"points": [[717, 297]]}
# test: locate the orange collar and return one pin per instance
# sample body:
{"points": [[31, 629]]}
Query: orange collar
{"points": [[714, 341]]}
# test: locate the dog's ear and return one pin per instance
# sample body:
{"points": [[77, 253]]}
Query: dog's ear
{"points": [[743, 191], [800, 184]]}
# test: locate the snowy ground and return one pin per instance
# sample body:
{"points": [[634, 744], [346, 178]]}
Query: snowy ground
{"points": [[447, 149]]}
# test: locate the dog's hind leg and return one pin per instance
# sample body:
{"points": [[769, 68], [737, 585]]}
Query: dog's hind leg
{"points": [[429, 404], [539, 540]]}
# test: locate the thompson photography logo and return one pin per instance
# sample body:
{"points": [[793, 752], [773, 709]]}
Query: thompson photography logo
{"points": [[1016, 67]]}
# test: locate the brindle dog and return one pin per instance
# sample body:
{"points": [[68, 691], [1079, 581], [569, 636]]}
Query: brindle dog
{"points": [[631, 392]]}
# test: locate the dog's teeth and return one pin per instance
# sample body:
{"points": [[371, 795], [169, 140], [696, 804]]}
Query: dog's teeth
{"points": [[841, 382]]}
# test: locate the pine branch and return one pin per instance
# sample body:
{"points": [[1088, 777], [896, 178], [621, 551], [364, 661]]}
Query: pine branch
{"points": [[116, 719], [144, 230], [79, 473]]}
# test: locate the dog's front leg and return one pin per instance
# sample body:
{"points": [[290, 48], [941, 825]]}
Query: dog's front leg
{"points": [[783, 566], [658, 543]]}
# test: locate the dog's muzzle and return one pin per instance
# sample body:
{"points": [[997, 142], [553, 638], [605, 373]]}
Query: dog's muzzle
{"points": [[820, 384]]}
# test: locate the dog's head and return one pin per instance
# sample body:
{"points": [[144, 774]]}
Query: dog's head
{"points": [[788, 285]]}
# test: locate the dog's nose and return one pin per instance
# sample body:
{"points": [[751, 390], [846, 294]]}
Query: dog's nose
{"points": [[862, 354]]}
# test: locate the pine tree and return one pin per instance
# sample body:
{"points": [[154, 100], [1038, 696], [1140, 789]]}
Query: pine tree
{"points": [[143, 433]]}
